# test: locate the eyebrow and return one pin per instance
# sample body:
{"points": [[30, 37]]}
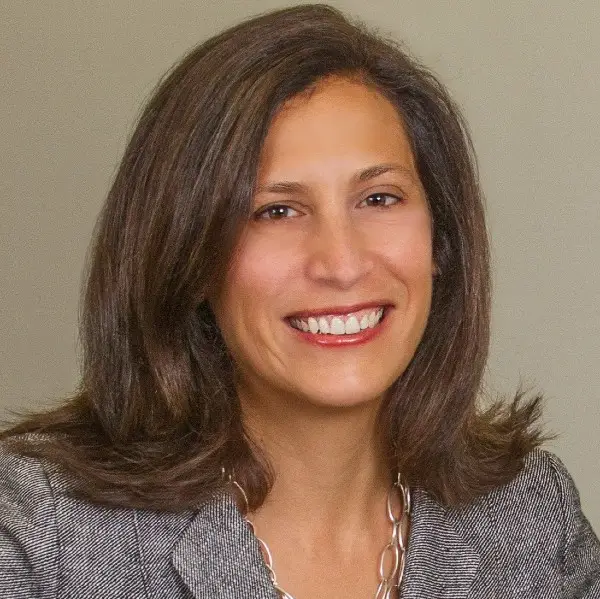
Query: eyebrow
{"points": [[293, 187]]}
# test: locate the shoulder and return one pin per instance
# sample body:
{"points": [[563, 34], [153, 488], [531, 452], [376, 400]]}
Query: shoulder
{"points": [[24, 486], [28, 530], [541, 503], [543, 488], [49, 536], [15, 468], [38, 491], [25, 482], [542, 497], [533, 530], [542, 492]]}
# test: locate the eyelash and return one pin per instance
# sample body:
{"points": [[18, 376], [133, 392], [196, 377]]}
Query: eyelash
{"points": [[261, 214]]}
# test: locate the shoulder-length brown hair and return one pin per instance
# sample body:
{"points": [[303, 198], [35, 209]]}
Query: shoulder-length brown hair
{"points": [[157, 416]]}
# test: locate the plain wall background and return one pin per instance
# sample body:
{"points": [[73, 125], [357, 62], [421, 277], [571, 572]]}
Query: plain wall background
{"points": [[527, 74]]}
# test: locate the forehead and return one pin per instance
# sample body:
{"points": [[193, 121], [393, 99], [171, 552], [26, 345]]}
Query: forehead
{"points": [[338, 117]]}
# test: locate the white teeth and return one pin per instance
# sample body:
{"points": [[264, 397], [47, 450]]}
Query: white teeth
{"points": [[364, 322], [323, 325], [372, 319], [337, 326], [352, 326]]}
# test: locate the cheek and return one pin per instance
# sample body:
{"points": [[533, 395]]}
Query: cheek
{"points": [[256, 279], [416, 259], [407, 249]]}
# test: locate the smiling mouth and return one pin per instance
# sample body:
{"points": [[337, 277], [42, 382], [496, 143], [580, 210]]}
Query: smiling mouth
{"points": [[340, 324]]}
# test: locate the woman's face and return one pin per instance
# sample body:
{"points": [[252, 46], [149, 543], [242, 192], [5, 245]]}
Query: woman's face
{"points": [[330, 289]]}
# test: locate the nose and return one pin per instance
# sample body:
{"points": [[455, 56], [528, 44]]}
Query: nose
{"points": [[338, 253]]}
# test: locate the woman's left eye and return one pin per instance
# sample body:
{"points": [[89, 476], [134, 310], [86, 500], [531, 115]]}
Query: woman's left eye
{"points": [[381, 200]]}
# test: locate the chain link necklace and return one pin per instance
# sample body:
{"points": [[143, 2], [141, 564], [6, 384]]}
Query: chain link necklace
{"points": [[393, 554]]}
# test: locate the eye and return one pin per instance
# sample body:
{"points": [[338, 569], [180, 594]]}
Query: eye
{"points": [[275, 212], [381, 200]]}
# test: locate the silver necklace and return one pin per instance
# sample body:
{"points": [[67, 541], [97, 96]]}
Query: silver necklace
{"points": [[393, 554]]}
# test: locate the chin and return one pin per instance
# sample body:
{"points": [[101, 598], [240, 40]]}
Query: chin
{"points": [[344, 397]]}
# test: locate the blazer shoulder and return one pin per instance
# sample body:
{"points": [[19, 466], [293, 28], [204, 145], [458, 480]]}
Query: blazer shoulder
{"points": [[24, 481], [538, 520], [580, 550], [543, 495], [544, 483], [543, 472], [28, 528]]}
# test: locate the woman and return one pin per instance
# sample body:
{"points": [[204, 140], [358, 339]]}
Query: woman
{"points": [[285, 327]]}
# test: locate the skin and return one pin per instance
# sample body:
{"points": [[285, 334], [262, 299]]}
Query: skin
{"points": [[320, 236]]}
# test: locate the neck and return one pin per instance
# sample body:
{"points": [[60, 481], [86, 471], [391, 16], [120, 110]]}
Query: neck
{"points": [[328, 462]]}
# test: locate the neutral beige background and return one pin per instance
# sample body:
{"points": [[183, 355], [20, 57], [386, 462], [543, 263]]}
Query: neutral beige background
{"points": [[527, 73]]}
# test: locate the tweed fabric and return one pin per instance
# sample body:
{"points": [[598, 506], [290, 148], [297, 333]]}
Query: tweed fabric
{"points": [[527, 539]]}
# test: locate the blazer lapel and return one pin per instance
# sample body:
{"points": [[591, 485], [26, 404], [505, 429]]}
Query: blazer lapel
{"points": [[218, 557], [440, 563]]}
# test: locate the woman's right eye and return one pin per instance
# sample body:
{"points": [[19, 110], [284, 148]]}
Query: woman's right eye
{"points": [[275, 212]]}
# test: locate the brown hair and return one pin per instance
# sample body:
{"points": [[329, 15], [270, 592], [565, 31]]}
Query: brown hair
{"points": [[157, 416]]}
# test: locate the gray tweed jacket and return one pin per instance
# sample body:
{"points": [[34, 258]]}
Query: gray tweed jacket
{"points": [[528, 539]]}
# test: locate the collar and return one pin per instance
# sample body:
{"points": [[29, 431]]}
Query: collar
{"points": [[217, 556], [440, 562]]}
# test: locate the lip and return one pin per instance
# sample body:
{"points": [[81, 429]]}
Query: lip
{"points": [[340, 310], [340, 341]]}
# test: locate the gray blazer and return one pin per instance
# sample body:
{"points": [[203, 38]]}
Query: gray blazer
{"points": [[528, 539]]}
